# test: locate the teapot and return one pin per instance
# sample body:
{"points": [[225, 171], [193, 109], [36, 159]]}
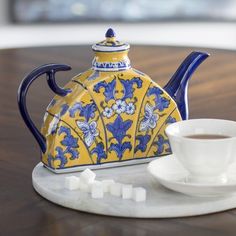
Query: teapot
{"points": [[111, 114]]}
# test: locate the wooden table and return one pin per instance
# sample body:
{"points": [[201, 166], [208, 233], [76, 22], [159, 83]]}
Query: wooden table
{"points": [[212, 94]]}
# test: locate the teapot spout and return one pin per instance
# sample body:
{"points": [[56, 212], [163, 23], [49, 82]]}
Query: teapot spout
{"points": [[178, 85]]}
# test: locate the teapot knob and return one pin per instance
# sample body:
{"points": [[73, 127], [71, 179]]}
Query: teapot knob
{"points": [[110, 35]]}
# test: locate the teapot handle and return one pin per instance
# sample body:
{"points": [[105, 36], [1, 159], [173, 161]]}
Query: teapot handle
{"points": [[49, 70]]}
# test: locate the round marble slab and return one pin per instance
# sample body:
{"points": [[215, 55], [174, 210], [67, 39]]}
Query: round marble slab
{"points": [[161, 202]]}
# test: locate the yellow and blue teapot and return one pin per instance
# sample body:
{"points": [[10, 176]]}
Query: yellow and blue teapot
{"points": [[110, 115]]}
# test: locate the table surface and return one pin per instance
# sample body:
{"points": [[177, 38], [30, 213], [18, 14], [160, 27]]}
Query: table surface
{"points": [[212, 94]]}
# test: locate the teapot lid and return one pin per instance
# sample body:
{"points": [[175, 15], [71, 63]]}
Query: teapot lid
{"points": [[110, 44]]}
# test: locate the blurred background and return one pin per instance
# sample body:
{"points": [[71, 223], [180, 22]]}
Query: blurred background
{"points": [[205, 23]]}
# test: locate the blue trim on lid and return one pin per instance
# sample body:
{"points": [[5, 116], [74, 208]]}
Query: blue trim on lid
{"points": [[110, 33], [111, 66]]}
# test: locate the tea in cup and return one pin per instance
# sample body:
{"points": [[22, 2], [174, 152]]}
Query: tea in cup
{"points": [[205, 147]]}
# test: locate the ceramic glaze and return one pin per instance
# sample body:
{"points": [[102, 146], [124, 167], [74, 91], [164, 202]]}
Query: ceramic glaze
{"points": [[207, 160], [170, 173], [109, 114]]}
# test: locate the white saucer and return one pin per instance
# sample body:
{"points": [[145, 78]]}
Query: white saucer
{"points": [[170, 173]]}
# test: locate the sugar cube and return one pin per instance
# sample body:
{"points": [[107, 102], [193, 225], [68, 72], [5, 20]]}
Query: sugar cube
{"points": [[106, 183], [115, 189], [87, 176], [139, 194], [84, 187], [127, 191], [72, 182], [94, 182], [97, 189]]}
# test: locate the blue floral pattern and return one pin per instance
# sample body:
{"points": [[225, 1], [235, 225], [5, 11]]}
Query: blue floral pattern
{"points": [[59, 156], [125, 104], [71, 147], [108, 112], [161, 143], [76, 107], [120, 148], [161, 103], [130, 108], [118, 130], [88, 126], [109, 89], [119, 106], [87, 111], [150, 118], [68, 141], [99, 151], [89, 130], [143, 141], [128, 86], [152, 113], [119, 100], [119, 127]]}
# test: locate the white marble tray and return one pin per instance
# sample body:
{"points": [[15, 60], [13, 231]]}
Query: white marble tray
{"points": [[161, 202]]}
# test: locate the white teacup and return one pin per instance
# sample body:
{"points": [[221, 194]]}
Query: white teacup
{"points": [[207, 160]]}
